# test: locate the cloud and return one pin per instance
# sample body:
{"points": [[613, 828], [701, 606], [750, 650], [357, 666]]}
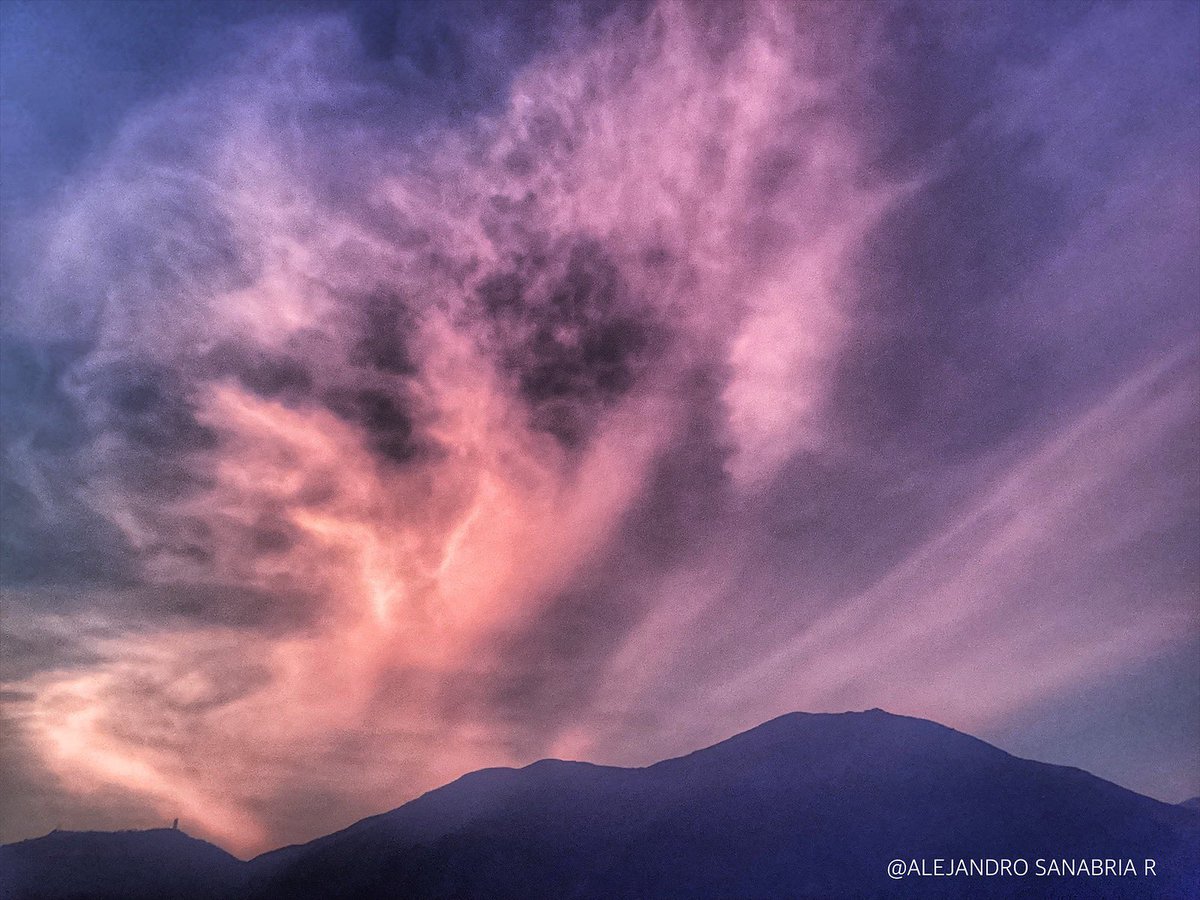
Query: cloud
{"points": [[412, 396]]}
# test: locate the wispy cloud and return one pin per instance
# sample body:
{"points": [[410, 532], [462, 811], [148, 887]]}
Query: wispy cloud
{"points": [[376, 412]]}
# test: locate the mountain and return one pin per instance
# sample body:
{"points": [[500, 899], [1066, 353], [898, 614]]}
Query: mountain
{"points": [[802, 806], [1193, 803], [133, 865]]}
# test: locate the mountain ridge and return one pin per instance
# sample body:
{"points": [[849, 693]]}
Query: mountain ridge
{"points": [[805, 804]]}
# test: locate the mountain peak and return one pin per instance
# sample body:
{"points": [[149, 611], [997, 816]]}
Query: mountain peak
{"points": [[804, 805]]}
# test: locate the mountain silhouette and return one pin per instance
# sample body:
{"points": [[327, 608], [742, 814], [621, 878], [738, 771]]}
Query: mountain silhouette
{"points": [[806, 805], [160, 863]]}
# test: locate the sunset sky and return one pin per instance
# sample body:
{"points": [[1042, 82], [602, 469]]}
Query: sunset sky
{"points": [[394, 390]]}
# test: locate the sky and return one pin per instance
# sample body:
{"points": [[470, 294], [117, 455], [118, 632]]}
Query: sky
{"points": [[394, 390]]}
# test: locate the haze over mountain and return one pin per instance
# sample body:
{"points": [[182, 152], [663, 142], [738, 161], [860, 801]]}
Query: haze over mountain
{"points": [[805, 805]]}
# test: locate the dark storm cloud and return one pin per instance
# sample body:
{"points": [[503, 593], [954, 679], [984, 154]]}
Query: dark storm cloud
{"points": [[571, 333], [382, 415], [387, 323], [148, 408], [372, 392], [268, 375]]}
